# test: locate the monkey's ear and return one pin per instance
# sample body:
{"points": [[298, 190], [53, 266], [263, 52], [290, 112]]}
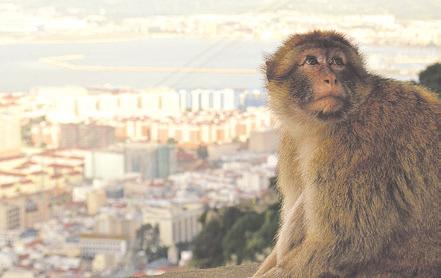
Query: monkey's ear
{"points": [[269, 69]]}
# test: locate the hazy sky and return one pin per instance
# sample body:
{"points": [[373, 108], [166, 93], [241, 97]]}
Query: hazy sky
{"points": [[422, 9]]}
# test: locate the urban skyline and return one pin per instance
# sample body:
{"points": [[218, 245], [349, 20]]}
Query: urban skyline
{"points": [[122, 128]]}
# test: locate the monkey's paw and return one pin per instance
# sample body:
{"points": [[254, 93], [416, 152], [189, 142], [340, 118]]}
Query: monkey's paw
{"points": [[275, 272]]}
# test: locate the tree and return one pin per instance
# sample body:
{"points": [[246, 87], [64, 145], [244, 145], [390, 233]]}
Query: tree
{"points": [[431, 77], [148, 239], [273, 183], [207, 246], [235, 241], [171, 141], [202, 152], [263, 239], [234, 235], [207, 249]]}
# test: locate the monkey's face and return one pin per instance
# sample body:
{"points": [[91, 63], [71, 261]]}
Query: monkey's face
{"points": [[317, 85], [314, 79]]}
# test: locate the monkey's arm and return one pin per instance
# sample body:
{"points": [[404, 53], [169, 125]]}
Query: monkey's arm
{"points": [[351, 219], [267, 264], [291, 234], [290, 187]]}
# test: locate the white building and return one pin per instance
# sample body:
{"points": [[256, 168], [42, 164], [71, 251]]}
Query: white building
{"points": [[104, 164], [92, 244], [150, 161], [10, 139], [252, 181], [176, 224]]}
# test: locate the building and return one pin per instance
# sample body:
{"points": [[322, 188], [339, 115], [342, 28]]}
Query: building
{"points": [[18, 273], [34, 208], [199, 99], [252, 181], [265, 140], [117, 224], [115, 192], [176, 224], [95, 200], [104, 164], [25, 210], [10, 139], [150, 161], [74, 135], [93, 244], [166, 160], [217, 151], [10, 218]]}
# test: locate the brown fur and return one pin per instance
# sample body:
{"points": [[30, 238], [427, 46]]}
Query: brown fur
{"points": [[365, 179]]}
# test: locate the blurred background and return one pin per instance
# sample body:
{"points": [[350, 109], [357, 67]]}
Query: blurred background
{"points": [[134, 136]]}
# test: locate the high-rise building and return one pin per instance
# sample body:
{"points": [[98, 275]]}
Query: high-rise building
{"points": [[166, 160], [74, 135], [10, 131], [104, 164], [150, 161]]}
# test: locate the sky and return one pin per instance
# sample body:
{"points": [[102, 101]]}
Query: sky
{"points": [[422, 9]]}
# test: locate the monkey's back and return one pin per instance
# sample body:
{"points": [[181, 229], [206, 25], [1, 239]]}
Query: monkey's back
{"points": [[395, 139]]}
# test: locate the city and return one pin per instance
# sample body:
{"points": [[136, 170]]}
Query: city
{"points": [[121, 133], [82, 170]]}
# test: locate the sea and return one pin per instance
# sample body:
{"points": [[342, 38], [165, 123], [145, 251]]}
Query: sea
{"points": [[133, 63]]}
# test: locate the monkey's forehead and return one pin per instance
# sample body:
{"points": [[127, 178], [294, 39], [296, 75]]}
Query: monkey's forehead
{"points": [[335, 46], [324, 44], [320, 38], [320, 51], [290, 50]]}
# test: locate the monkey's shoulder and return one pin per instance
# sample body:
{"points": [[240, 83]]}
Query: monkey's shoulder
{"points": [[400, 104], [396, 94]]}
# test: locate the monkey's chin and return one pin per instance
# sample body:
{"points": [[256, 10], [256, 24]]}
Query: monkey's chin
{"points": [[327, 108]]}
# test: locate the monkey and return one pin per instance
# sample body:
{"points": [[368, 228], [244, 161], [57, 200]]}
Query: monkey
{"points": [[359, 167]]}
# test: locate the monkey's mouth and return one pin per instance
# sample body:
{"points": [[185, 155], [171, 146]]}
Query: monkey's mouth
{"points": [[326, 104], [328, 107]]}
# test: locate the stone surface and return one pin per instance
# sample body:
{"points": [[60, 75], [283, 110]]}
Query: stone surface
{"points": [[239, 271]]}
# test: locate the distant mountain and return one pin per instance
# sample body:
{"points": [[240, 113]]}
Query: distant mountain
{"points": [[405, 9]]}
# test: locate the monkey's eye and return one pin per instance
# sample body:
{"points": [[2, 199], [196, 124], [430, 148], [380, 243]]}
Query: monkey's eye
{"points": [[311, 60], [337, 61]]}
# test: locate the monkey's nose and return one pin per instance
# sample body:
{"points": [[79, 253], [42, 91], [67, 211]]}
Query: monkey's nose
{"points": [[328, 81]]}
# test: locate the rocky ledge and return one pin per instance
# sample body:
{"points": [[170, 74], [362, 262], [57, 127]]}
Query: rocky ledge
{"points": [[238, 271]]}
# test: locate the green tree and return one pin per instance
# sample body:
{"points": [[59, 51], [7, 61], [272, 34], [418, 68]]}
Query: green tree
{"points": [[207, 248], [235, 234], [431, 77], [202, 152], [263, 238], [148, 241], [235, 241], [273, 183], [230, 215], [171, 141]]}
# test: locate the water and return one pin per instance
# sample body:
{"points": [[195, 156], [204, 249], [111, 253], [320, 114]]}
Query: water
{"points": [[22, 67]]}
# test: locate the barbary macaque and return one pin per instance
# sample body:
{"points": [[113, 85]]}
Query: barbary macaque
{"points": [[359, 166]]}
